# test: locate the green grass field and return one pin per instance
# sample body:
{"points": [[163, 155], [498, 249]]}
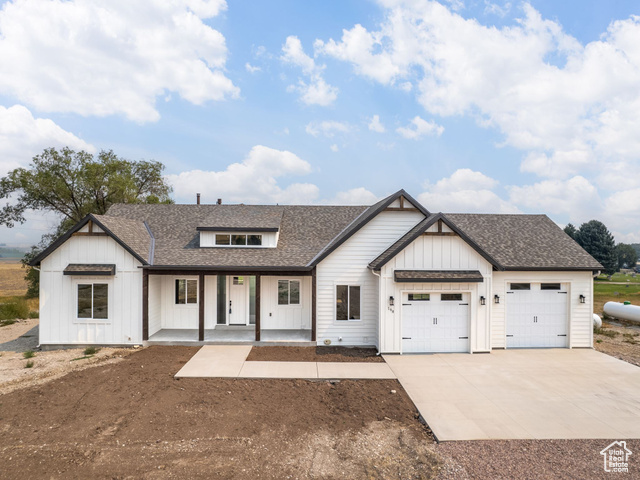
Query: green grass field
{"points": [[619, 277], [604, 292]]}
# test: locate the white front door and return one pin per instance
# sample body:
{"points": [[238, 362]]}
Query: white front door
{"points": [[238, 300], [537, 317], [435, 322]]}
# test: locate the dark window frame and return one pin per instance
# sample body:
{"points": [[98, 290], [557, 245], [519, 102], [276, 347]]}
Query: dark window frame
{"points": [[351, 304], [190, 284], [289, 281], [519, 285], [92, 295], [242, 240], [550, 286], [412, 297], [455, 297]]}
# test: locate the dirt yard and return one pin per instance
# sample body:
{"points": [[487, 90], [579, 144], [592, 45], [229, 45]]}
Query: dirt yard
{"points": [[12, 281], [134, 420], [619, 340], [314, 354], [21, 336]]}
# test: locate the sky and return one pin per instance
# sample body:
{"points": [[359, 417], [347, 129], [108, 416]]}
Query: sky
{"points": [[470, 106]]}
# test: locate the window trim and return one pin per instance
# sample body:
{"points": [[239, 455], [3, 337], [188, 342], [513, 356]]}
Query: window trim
{"points": [[233, 234], [289, 280], [451, 299], [335, 302], [186, 295], [93, 280]]}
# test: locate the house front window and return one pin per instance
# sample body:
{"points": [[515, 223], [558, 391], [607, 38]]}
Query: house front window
{"points": [[288, 292], [93, 301], [238, 240], [347, 302], [186, 291]]}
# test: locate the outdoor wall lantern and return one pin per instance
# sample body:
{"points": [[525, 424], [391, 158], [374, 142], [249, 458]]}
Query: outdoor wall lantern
{"points": [[391, 301], [496, 299], [483, 301], [582, 298]]}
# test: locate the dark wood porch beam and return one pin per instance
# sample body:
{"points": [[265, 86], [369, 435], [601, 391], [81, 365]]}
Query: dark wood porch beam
{"points": [[145, 305], [201, 308], [313, 304], [257, 308]]}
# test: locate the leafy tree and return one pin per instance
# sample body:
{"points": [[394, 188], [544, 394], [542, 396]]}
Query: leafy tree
{"points": [[571, 230], [627, 255], [596, 239], [73, 184]]}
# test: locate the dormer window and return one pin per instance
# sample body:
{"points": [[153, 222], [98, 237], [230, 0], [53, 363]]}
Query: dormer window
{"points": [[238, 240]]}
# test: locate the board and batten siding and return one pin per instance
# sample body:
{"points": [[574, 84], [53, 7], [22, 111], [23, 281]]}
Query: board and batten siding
{"points": [[348, 265], [430, 252], [580, 314], [284, 317], [58, 308]]}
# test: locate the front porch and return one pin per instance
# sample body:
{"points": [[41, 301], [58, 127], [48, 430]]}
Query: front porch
{"points": [[201, 307], [235, 335]]}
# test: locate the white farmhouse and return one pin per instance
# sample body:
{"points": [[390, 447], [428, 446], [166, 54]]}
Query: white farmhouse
{"points": [[392, 275]]}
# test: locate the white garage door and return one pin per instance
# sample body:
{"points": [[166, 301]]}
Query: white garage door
{"points": [[435, 322], [537, 315]]}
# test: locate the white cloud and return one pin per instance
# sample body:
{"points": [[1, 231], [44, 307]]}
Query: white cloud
{"points": [[355, 196], [568, 106], [105, 58], [255, 180], [328, 128], [419, 127], [314, 90], [375, 125], [495, 9], [252, 69], [465, 191], [334, 147], [22, 137], [576, 197]]}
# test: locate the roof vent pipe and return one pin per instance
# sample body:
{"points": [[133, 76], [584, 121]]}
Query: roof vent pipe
{"points": [[198, 198], [219, 201]]}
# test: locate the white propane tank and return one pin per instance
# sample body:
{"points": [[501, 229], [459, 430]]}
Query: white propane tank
{"points": [[597, 321], [623, 311]]}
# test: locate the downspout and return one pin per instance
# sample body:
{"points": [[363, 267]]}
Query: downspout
{"points": [[379, 309]]}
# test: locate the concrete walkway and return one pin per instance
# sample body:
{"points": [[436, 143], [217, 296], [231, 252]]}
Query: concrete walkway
{"points": [[523, 394], [229, 361]]}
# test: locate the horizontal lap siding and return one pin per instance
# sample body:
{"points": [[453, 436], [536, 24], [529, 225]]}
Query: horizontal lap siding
{"points": [[274, 316], [581, 314], [430, 252], [58, 323], [348, 264]]}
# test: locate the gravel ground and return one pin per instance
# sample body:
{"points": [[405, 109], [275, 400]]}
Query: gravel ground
{"points": [[619, 340]]}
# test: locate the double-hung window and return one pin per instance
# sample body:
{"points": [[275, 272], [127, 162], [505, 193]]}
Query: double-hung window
{"points": [[93, 301], [288, 292], [186, 291], [347, 302]]}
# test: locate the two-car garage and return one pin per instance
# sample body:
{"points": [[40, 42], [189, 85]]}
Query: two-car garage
{"points": [[537, 316]]}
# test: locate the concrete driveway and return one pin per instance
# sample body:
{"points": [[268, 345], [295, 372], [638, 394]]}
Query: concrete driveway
{"points": [[523, 394]]}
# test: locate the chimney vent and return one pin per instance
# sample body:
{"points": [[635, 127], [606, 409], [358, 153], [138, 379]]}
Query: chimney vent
{"points": [[219, 201], [198, 198]]}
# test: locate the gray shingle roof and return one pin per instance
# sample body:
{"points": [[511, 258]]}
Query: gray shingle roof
{"points": [[90, 269], [404, 276], [304, 232], [132, 232], [508, 242], [525, 241]]}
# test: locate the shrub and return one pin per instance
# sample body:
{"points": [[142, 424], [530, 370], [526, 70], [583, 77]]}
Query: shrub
{"points": [[14, 309], [91, 350], [4, 323], [605, 332], [34, 314], [29, 354], [29, 364]]}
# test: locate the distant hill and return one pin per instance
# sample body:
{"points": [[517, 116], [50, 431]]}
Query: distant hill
{"points": [[12, 252]]}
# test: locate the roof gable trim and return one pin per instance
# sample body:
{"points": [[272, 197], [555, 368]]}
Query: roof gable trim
{"points": [[90, 217]]}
